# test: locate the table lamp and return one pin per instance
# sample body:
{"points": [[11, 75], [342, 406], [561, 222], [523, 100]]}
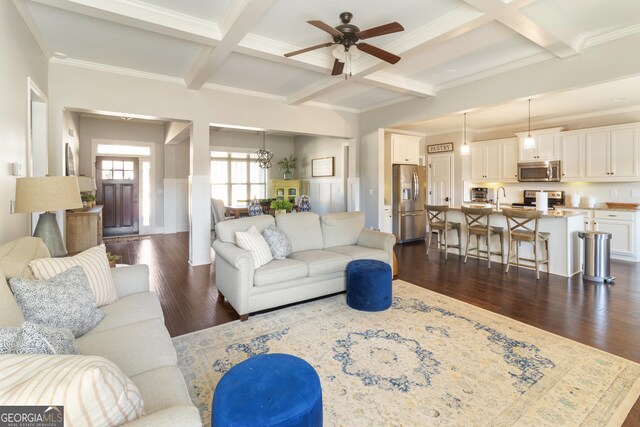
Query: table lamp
{"points": [[48, 194]]}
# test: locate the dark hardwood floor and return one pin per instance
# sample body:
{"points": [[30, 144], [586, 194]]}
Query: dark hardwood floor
{"points": [[599, 315]]}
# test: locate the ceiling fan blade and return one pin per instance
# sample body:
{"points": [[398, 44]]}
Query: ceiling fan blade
{"points": [[392, 27], [337, 68], [378, 53], [307, 49], [326, 27]]}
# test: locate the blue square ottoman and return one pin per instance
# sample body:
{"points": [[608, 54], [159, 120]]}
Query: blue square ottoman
{"points": [[268, 390], [369, 285]]}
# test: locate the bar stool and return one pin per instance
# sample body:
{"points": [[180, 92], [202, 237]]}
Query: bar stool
{"points": [[477, 226], [437, 217], [518, 232]]}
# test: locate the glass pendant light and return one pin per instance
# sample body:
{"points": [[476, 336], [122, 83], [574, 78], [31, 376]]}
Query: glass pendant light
{"points": [[465, 150], [529, 142]]}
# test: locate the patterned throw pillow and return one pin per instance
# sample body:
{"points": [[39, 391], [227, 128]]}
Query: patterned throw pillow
{"points": [[64, 301], [278, 242], [8, 338], [252, 241], [93, 391], [41, 339], [96, 266]]}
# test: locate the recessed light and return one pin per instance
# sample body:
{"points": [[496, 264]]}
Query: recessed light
{"points": [[617, 99]]}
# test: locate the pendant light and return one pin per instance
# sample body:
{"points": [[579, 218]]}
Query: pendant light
{"points": [[529, 142], [465, 150], [264, 155]]}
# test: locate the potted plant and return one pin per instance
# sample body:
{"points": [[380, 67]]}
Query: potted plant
{"points": [[113, 259], [281, 206], [286, 165], [88, 199]]}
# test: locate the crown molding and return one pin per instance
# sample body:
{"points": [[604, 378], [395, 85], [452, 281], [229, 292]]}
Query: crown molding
{"points": [[116, 70], [612, 35]]}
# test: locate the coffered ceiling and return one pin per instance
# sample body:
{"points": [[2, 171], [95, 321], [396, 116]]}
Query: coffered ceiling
{"points": [[238, 45]]}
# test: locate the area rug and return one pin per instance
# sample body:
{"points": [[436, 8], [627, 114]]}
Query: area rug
{"points": [[428, 360], [121, 239]]}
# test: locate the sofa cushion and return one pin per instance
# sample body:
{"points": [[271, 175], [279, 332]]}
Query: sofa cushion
{"points": [[16, 255], [302, 229], [130, 309], [135, 348], [92, 390], [226, 230], [162, 388], [322, 262], [96, 266], [64, 301], [278, 271], [8, 339], [10, 313], [361, 252], [252, 241], [341, 229]]}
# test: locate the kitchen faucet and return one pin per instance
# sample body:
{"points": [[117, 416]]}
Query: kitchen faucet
{"points": [[504, 193]]}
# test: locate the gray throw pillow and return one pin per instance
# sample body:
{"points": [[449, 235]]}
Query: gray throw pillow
{"points": [[42, 339], [278, 242], [8, 338], [64, 301]]}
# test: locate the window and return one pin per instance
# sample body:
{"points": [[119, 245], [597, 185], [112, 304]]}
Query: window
{"points": [[236, 177], [117, 169]]}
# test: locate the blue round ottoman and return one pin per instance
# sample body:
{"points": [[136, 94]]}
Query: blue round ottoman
{"points": [[369, 285], [268, 390]]}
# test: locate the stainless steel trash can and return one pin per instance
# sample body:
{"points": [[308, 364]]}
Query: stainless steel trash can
{"points": [[597, 256]]}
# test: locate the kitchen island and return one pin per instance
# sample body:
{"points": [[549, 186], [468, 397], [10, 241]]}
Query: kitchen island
{"points": [[564, 243]]}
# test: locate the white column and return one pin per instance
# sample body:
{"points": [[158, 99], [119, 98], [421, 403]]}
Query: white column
{"points": [[199, 195]]}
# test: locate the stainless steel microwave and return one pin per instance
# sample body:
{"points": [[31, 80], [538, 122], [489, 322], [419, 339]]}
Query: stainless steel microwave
{"points": [[549, 171]]}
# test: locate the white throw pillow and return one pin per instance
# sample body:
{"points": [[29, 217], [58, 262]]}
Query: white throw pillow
{"points": [[92, 389], [252, 241], [96, 266]]}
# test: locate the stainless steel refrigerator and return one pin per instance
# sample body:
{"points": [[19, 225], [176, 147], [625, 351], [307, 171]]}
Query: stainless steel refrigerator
{"points": [[409, 194]]}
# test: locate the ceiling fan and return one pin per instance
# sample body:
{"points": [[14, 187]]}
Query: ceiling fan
{"points": [[348, 35]]}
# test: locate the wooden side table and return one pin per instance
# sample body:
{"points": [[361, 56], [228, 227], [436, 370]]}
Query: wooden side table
{"points": [[83, 229]]}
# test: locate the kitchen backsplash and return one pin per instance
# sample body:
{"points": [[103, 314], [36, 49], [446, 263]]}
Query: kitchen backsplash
{"points": [[602, 191]]}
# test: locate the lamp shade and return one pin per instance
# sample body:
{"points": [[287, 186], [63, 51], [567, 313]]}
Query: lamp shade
{"points": [[47, 194], [86, 183]]}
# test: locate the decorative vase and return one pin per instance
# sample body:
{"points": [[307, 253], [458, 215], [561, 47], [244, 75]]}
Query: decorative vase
{"points": [[304, 205], [254, 208], [287, 174]]}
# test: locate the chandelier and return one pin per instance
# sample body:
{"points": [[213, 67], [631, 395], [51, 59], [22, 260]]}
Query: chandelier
{"points": [[264, 155]]}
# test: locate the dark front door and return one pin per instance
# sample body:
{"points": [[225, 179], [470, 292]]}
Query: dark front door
{"points": [[117, 182]]}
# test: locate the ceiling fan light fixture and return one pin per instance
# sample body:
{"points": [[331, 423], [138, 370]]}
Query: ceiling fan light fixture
{"points": [[465, 150], [529, 143], [339, 53]]}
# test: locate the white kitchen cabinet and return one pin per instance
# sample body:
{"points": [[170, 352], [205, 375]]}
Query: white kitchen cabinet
{"points": [[622, 225], [572, 156], [509, 160], [405, 149], [547, 146], [486, 161], [612, 153]]}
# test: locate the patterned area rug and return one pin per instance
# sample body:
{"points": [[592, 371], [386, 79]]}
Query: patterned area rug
{"points": [[428, 360]]}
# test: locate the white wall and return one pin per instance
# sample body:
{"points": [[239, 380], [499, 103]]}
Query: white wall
{"points": [[176, 187], [71, 136], [115, 129], [372, 177], [21, 58]]}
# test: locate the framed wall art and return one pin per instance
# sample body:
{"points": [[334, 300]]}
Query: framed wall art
{"points": [[322, 166]]}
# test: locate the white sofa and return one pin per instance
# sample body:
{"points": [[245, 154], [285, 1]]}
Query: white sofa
{"points": [[132, 335], [322, 247]]}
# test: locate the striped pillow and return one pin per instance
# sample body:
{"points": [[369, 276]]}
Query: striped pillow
{"points": [[93, 391], [252, 241], [96, 266]]}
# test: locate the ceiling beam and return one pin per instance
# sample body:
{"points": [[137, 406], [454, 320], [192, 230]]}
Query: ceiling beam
{"points": [[449, 26], [399, 84], [143, 16], [540, 25], [239, 19]]}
